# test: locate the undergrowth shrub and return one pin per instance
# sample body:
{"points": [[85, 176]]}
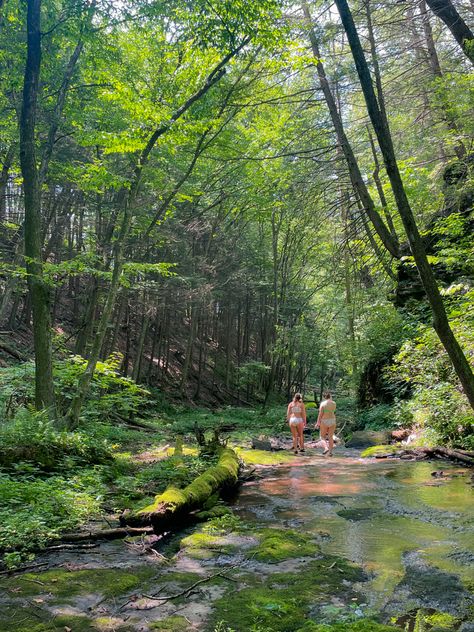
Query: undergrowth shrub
{"points": [[32, 438], [376, 418], [438, 403], [33, 511], [111, 396]]}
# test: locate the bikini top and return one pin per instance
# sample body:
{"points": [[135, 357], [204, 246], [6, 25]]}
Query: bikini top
{"points": [[328, 407], [295, 408]]}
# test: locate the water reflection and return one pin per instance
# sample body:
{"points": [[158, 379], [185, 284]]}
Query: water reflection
{"points": [[375, 513]]}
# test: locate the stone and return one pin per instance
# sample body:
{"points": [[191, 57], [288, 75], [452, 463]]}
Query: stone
{"points": [[367, 438]]}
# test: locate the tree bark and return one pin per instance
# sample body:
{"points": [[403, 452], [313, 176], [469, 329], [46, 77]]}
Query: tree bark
{"points": [[38, 289], [7, 163], [440, 318], [445, 10], [141, 343]]}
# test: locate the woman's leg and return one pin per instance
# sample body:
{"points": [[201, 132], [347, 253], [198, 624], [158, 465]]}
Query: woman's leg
{"points": [[331, 430], [323, 436], [294, 434], [301, 435]]}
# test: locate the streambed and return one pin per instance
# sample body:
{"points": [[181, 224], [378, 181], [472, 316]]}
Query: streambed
{"points": [[339, 541]]}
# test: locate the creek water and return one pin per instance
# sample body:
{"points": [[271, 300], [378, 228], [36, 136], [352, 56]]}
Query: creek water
{"points": [[409, 525], [397, 519]]}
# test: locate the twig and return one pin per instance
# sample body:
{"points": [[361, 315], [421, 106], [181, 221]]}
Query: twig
{"points": [[23, 569], [35, 581]]}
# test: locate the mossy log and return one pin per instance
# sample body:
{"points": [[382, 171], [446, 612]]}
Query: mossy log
{"points": [[173, 505]]}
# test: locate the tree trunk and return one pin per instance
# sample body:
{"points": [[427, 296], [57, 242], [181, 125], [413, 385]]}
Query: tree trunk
{"points": [[193, 321], [355, 174], [445, 10], [440, 319], [37, 287], [141, 343], [7, 163], [171, 506]]}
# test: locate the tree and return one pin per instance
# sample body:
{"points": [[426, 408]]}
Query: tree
{"points": [[446, 11], [38, 287], [440, 319]]}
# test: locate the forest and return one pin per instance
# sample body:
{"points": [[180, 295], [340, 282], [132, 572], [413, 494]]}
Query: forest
{"points": [[207, 206]]}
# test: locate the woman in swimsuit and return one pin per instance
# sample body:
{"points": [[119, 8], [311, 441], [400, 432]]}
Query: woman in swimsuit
{"points": [[327, 422], [296, 416]]}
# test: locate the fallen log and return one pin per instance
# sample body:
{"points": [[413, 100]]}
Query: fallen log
{"points": [[105, 534], [174, 504], [438, 452], [451, 455]]}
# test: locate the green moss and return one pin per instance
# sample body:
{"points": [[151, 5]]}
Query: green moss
{"points": [[260, 606], [357, 514], [202, 546], [277, 545], [216, 512], [110, 624], [27, 619], [282, 601], [62, 583], [376, 450], [225, 472], [264, 457], [171, 624], [442, 620], [364, 625]]}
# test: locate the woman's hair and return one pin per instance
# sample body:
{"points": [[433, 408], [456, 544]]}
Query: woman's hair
{"points": [[327, 394], [297, 397]]}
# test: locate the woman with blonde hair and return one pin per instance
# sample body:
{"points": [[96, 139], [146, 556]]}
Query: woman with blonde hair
{"points": [[296, 416], [327, 422]]}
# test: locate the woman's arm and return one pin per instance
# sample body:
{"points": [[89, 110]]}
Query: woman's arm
{"points": [[288, 412], [303, 412], [318, 423]]}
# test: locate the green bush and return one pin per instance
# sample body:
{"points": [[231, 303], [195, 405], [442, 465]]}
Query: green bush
{"points": [[376, 418], [32, 438], [111, 396], [33, 512], [438, 404]]}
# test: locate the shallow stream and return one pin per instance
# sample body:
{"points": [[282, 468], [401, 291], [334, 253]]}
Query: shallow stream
{"points": [[335, 541]]}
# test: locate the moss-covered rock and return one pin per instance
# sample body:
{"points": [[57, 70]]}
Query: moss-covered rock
{"points": [[110, 624], [367, 438], [28, 619], [277, 545], [357, 514], [378, 450], [264, 457], [203, 545], [174, 503], [171, 624], [215, 512]]}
